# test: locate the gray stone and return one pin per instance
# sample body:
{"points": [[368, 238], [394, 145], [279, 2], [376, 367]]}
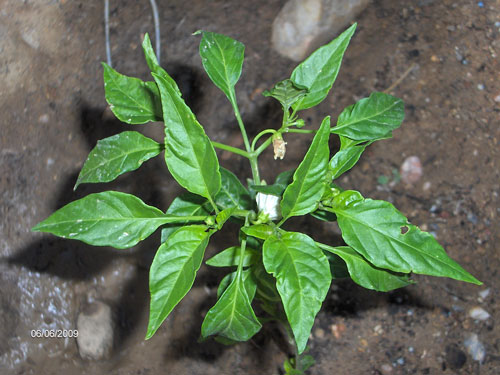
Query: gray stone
{"points": [[303, 25], [95, 331]]}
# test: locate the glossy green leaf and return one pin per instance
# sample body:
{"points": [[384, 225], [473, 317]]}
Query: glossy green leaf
{"points": [[303, 278], [286, 93], [130, 99], [383, 236], [232, 316], [345, 159], [116, 155], [304, 193], [279, 186], [231, 257], [366, 274], [371, 118], [248, 281], [222, 58], [318, 72], [232, 193], [261, 231], [189, 154], [110, 218], [187, 204], [153, 65], [173, 271], [224, 216]]}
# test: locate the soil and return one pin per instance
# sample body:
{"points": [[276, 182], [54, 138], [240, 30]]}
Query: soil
{"points": [[53, 112]]}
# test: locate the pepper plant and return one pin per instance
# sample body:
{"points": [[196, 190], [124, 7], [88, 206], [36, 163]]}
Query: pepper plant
{"points": [[284, 275]]}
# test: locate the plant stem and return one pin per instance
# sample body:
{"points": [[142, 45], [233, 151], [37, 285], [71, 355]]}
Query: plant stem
{"points": [[301, 131], [240, 121], [263, 146], [266, 131], [232, 149], [185, 218], [255, 169]]}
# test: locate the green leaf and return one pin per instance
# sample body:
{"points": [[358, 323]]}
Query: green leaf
{"points": [[248, 281], [130, 99], [116, 155], [304, 193], [173, 271], [232, 316], [189, 154], [224, 216], [222, 58], [232, 193], [319, 71], [187, 204], [231, 257], [345, 159], [261, 231], [286, 93], [303, 278], [371, 118], [279, 186], [110, 218], [366, 274], [266, 284], [383, 236], [153, 65]]}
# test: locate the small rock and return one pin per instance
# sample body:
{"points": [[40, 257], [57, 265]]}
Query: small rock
{"points": [[400, 361], [319, 333], [44, 119], [337, 330], [95, 331], [475, 348], [484, 293], [378, 329], [386, 369], [411, 170], [434, 58], [478, 313], [455, 358], [303, 25], [497, 98], [480, 86]]}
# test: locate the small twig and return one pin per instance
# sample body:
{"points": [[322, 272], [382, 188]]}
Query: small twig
{"points": [[400, 79], [106, 32], [156, 19]]}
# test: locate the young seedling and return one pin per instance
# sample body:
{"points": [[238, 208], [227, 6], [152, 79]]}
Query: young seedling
{"points": [[285, 274]]}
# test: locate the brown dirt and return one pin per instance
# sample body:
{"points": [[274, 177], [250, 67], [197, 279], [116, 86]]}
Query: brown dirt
{"points": [[52, 106]]}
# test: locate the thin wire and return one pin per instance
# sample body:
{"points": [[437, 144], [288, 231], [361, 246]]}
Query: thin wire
{"points": [[106, 32], [156, 19]]}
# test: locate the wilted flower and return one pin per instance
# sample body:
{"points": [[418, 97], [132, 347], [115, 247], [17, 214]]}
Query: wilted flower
{"points": [[269, 205], [279, 146]]}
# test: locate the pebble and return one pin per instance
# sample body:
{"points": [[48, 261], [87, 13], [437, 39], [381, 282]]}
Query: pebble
{"points": [[319, 333], [475, 348], [95, 331], [497, 98], [484, 293], [386, 369], [303, 25], [44, 119], [478, 313], [411, 170], [378, 329], [480, 87]]}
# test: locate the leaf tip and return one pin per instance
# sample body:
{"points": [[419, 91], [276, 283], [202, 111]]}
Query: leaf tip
{"points": [[198, 32]]}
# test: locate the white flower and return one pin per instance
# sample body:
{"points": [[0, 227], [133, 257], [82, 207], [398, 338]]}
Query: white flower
{"points": [[269, 205]]}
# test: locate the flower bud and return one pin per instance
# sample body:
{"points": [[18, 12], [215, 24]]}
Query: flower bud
{"points": [[279, 146]]}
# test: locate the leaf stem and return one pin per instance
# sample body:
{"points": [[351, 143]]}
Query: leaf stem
{"points": [[236, 110], [232, 149], [266, 131], [301, 131]]}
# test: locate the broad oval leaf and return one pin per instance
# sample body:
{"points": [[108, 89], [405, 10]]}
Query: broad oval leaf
{"points": [[371, 118], [304, 193], [286, 93], [366, 274], [173, 271], [222, 58], [130, 99], [189, 154], [279, 186], [303, 278], [249, 282], [232, 316], [224, 216], [231, 257], [381, 234], [318, 72], [187, 204], [116, 155], [110, 218], [232, 193]]}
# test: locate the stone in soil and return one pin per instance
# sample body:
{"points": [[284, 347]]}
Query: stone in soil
{"points": [[303, 25], [411, 170], [475, 348], [95, 331], [478, 313]]}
